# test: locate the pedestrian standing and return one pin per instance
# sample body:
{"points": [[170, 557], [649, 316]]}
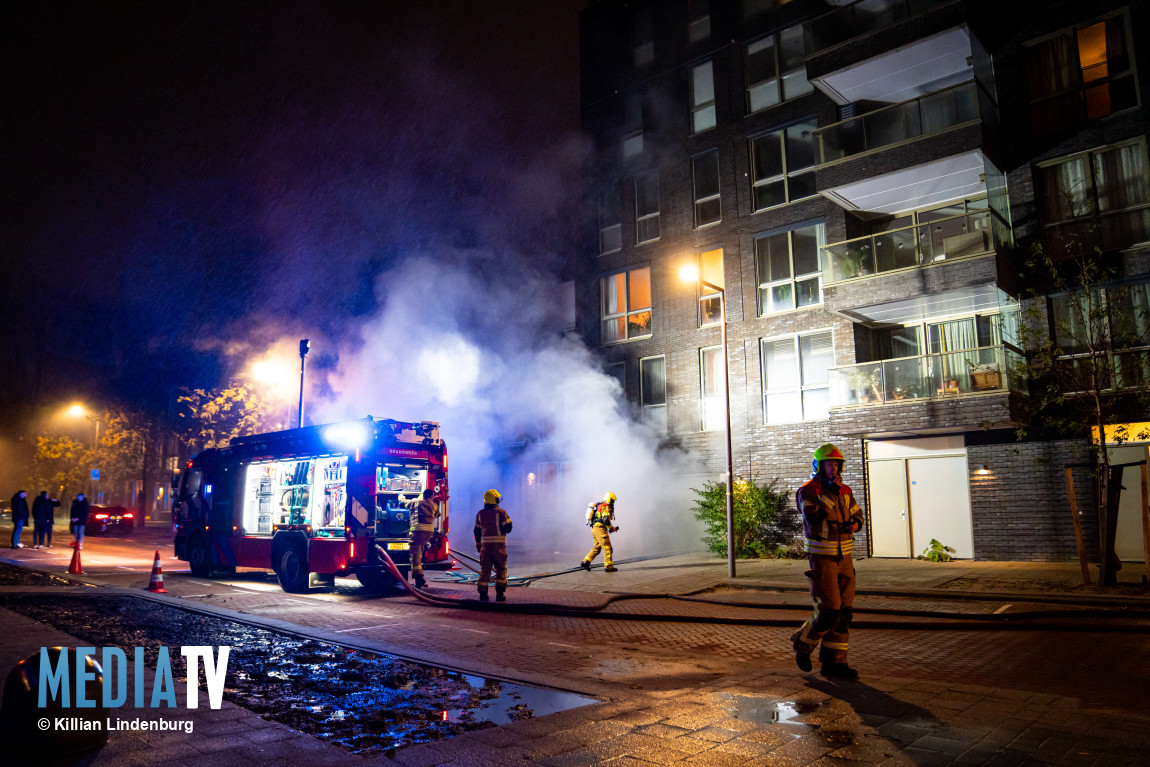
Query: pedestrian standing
{"points": [[42, 519], [80, 509], [831, 517], [19, 516], [601, 518], [492, 524], [424, 512]]}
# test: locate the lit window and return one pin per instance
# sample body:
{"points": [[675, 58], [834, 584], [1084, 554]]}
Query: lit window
{"points": [[783, 165], [702, 97], [710, 270], [776, 69], [705, 170], [653, 391], [610, 221], [712, 394], [788, 268], [796, 378], [1080, 75], [646, 209], [626, 305]]}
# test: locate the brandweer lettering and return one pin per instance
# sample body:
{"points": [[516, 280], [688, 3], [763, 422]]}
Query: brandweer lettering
{"points": [[55, 683]]}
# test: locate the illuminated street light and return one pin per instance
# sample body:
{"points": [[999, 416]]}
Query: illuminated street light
{"points": [[690, 274], [79, 411]]}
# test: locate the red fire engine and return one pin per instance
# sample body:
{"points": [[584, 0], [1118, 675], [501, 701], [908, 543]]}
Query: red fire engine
{"points": [[311, 503]]}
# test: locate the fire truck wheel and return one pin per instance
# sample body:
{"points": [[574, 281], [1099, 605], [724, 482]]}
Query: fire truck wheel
{"points": [[198, 556], [375, 579], [292, 571]]}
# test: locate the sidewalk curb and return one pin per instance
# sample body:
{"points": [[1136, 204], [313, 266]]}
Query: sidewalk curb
{"points": [[980, 596]]}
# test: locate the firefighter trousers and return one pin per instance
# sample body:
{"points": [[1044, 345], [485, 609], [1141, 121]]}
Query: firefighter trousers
{"points": [[833, 590], [603, 543], [492, 556], [419, 539]]}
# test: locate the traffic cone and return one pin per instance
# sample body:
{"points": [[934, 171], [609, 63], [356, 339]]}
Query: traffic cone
{"points": [[156, 583], [75, 568]]}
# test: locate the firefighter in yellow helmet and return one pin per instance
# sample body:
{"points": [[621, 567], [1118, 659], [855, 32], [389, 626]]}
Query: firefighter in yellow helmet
{"points": [[424, 511], [831, 517], [601, 518], [492, 524]]}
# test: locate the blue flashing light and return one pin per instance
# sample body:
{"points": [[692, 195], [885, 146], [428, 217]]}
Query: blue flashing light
{"points": [[346, 436]]}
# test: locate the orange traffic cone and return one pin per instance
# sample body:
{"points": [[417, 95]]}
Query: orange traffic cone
{"points": [[75, 568], [156, 583]]}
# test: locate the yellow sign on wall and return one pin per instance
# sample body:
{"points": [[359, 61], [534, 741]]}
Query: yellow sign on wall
{"points": [[1123, 432]]}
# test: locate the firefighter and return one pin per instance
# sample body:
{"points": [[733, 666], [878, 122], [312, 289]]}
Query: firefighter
{"points": [[492, 524], [424, 512], [831, 517], [601, 518]]}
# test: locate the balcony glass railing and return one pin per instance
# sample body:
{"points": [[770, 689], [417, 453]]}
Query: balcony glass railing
{"points": [[929, 376], [860, 18], [899, 122], [925, 243]]}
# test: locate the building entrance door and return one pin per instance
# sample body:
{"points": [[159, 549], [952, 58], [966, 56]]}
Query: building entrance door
{"points": [[918, 490], [1128, 538]]}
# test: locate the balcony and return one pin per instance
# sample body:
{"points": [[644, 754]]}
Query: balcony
{"points": [[860, 18], [894, 124], [907, 380], [946, 239]]}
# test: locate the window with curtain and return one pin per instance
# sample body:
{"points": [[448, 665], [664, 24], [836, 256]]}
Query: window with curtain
{"points": [[626, 305], [783, 165], [796, 377], [1080, 74], [1116, 320], [776, 69], [646, 209], [702, 97], [788, 268], [1099, 198], [711, 391], [653, 391], [705, 173]]}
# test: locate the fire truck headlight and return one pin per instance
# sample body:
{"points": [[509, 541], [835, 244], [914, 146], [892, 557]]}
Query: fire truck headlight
{"points": [[346, 436]]}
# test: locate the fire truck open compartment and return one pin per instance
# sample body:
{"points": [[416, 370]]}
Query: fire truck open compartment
{"points": [[290, 503]]}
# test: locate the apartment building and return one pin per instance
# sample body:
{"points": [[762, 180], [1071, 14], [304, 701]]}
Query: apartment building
{"points": [[859, 185]]}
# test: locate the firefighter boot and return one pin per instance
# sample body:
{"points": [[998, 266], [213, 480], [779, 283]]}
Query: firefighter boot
{"points": [[500, 592], [420, 583], [585, 565], [831, 668], [483, 594]]}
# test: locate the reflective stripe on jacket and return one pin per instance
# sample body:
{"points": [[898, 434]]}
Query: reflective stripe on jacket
{"points": [[492, 524], [830, 517], [423, 514]]}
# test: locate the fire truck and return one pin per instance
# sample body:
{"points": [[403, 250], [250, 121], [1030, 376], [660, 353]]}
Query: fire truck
{"points": [[312, 503]]}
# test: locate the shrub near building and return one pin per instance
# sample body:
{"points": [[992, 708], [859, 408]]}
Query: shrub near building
{"points": [[766, 522]]}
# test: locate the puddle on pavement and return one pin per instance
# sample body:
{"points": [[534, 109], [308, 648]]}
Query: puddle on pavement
{"points": [[367, 703], [765, 711]]}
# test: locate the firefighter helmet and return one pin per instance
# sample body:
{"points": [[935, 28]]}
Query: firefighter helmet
{"points": [[827, 452], [492, 496], [609, 498]]}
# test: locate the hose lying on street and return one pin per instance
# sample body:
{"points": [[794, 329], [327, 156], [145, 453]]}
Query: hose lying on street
{"points": [[1035, 620]]}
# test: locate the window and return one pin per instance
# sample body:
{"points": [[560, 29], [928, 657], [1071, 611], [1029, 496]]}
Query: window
{"points": [[712, 391], [626, 305], [788, 268], [632, 124], [1114, 321], [796, 378], [783, 165], [702, 97], [653, 391], [1080, 75], [705, 169], [643, 43], [710, 270], [776, 69], [618, 371], [1101, 196], [699, 20], [646, 209], [610, 221]]}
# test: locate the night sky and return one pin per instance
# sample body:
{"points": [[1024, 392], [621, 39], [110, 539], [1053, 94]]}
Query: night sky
{"points": [[185, 179]]}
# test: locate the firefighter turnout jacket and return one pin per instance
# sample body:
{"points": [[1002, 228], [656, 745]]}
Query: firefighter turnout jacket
{"points": [[492, 524], [600, 513], [424, 512], [831, 516]]}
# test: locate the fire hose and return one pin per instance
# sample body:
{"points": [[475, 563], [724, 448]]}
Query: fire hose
{"points": [[943, 621]]}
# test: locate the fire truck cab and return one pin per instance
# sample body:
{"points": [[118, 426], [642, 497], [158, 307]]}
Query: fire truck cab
{"points": [[312, 503]]}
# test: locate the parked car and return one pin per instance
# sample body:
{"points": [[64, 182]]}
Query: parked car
{"points": [[114, 520]]}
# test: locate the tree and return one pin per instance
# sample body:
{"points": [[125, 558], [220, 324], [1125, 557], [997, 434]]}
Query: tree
{"points": [[59, 466], [1080, 331], [214, 417], [757, 510]]}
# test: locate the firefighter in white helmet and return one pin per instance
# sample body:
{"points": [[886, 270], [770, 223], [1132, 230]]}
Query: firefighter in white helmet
{"points": [[492, 524], [831, 517], [424, 511], [601, 518]]}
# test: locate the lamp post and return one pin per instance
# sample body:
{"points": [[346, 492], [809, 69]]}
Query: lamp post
{"points": [[691, 274], [79, 411], [304, 347]]}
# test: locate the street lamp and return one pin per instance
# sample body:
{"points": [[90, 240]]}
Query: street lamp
{"points": [[304, 348], [690, 274], [78, 411]]}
